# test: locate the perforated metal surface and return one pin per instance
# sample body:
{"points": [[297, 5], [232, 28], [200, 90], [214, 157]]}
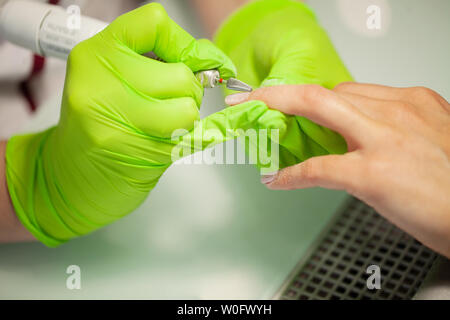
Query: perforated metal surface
{"points": [[360, 237]]}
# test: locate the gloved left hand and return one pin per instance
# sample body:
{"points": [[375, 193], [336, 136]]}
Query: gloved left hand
{"points": [[113, 140], [274, 42]]}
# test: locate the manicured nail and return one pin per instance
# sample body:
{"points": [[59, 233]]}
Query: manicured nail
{"points": [[268, 178], [237, 98]]}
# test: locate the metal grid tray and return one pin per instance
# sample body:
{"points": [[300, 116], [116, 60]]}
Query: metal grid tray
{"points": [[358, 237]]}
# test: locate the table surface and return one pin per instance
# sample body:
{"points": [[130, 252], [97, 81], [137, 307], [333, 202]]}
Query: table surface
{"points": [[213, 231]]}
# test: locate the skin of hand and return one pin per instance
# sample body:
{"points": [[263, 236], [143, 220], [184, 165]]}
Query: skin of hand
{"points": [[275, 42], [398, 157], [113, 140], [213, 12], [11, 230]]}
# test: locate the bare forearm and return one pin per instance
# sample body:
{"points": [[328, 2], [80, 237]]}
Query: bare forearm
{"points": [[213, 12], [11, 230]]}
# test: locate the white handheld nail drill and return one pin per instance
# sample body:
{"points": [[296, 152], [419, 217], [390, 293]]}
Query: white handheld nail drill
{"points": [[52, 31]]}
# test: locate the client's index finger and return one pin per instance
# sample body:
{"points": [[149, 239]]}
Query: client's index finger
{"points": [[318, 104]]}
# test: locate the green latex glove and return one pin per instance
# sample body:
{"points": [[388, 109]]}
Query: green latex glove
{"points": [[275, 42], [113, 140]]}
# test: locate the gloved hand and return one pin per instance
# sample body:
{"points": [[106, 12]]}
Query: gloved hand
{"points": [[113, 141], [276, 42]]}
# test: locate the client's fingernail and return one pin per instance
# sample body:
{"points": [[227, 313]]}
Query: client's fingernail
{"points": [[237, 98], [268, 178]]}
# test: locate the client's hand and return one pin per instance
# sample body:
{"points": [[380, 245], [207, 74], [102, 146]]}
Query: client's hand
{"points": [[399, 149]]}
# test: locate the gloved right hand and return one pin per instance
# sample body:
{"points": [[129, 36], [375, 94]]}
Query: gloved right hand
{"points": [[113, 140]]}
